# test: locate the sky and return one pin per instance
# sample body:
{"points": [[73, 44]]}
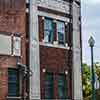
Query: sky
{"points": [[91, 26]]}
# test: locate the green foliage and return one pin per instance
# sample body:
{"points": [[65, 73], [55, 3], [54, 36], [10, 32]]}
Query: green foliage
{"points": [[97, 70], [97, 96], [86, 80], [87, 88]]}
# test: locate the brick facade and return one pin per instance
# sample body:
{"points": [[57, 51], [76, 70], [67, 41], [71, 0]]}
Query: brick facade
{"points": [[42, 57], [55, 60], [12, 21]]}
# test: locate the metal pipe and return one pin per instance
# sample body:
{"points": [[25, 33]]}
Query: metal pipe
{"points": [[93, 75]]}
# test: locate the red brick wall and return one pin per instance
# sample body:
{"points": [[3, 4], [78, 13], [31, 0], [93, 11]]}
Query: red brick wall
{"points": [[41, 28], [3, 83], [54, 60], [12, 20]]}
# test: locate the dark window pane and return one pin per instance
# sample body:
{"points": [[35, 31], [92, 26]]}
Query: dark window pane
{"points": [[62, 90], [48, 86], [12, 89], [60, 38], [13, 82]]}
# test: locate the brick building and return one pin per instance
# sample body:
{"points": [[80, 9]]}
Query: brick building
{"points": [[55, 49], [53, 53], [12, 49]]}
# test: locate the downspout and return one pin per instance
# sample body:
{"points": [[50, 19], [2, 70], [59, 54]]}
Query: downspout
{"points": [[28, 47]]}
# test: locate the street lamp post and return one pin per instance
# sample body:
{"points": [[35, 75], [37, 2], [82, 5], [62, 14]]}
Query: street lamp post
{"points": [[91, 44]]}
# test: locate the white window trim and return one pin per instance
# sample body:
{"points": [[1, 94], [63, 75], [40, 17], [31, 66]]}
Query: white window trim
{"points": [[9, 97], [53, 16], [55, 43], [55, 46]]}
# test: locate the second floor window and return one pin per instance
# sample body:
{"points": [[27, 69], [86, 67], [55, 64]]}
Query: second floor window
{"points": [[61, 32], [48, 30]]}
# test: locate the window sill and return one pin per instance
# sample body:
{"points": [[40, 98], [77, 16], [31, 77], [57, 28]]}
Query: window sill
{"points": [[13, 97], [54, 45]]}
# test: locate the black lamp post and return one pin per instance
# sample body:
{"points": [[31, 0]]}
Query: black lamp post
{"points": [[91, 44]]}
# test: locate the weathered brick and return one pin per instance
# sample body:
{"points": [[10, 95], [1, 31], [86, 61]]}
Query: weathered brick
{"points": [[55, 60], [12, 21]]}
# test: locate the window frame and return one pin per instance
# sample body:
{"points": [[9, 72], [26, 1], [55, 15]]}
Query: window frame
{"points": [[49, 73], [65, 86], [61, 33], [52, 34]]}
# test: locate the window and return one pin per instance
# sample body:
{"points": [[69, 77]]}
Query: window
{"points": [[48, 85], [62, 86], [48, 30], [61, 32], [13, 82]]}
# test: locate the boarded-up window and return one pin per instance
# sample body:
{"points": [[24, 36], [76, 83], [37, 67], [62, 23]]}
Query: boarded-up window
{"points": [[7, 4], [12, 5], [1, 4], [5, 44], [18, 4]]}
